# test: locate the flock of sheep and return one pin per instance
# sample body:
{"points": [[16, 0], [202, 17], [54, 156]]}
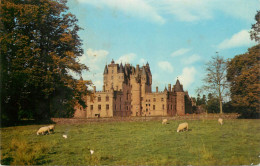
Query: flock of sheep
{"points": [[182, 127]]}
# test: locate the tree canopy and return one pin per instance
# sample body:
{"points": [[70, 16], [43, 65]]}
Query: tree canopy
{"points": [[40, 47], [244, 76], [255, 32], [215, 78]]}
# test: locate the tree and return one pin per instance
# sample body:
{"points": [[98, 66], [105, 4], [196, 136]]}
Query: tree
{"points": [[244, 77], [255, 32], [212, 104], [39, 48], [215, 80]]}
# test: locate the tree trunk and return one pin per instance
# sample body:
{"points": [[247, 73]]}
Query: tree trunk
{"points": [[220, 99]]}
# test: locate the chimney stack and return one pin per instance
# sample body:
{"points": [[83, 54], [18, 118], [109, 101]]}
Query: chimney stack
{"points": [[94, 89], [169, 87], [157, 89], [103, 88]]}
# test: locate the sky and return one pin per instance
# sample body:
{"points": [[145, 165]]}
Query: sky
{"points": [[176, 37]]}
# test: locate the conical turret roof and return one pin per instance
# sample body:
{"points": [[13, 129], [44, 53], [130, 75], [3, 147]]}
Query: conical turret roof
{"points": [[143, 71], [178, 87], [121, 69], [105, 70]]}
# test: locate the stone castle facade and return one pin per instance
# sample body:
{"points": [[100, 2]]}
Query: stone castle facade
{"points": [[127, 91]]}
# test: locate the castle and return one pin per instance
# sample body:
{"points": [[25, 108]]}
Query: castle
{"points": [[127, 91]]}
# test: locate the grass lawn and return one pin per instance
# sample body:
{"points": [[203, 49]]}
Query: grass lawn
{"points": [[237, 142]]}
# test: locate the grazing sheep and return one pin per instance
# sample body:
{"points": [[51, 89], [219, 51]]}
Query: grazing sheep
{"points": [[65, 136], [43, 130], [220, 121], [51, 127], [164, 121], [91, 152], [182, 127]]}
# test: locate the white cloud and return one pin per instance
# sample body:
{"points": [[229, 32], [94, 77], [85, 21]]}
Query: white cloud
{"points": [[194, 10], [136, 8], [142, 61], [127, 58], [187, 77], [183, 10], [187, 10], [191, 59], [166, 66], [239, 39], [179, 52], [96, 61]]}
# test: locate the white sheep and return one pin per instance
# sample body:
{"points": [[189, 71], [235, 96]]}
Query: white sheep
{"points": [[182, 127], [164, 121], [64, 136], [51, 127], [43, 130], [220, 121]]}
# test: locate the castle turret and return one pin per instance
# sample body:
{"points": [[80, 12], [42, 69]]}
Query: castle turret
{"points": [[121, 69], [106, 70], [137, 70], [178, 87], [136, 96], [180, 100]]}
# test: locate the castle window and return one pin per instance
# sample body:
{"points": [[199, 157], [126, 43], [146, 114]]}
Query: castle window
{"points": [[107, 98], [99, 98], [163, 106], [91, 107], [112, 71], [111, 77], [153, 107], [107, 107], [142, 98], [161, 99], [99, 107], [126, 107], [154, 99]]}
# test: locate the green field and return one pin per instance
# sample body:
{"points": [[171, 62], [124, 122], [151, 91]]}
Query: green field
{"points": [[237, 142]]}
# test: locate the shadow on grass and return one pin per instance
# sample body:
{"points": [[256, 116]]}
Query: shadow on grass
{"points": [[26, 122]]}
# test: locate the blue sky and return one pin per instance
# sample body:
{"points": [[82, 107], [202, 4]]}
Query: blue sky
{"points": [[176, 37]]}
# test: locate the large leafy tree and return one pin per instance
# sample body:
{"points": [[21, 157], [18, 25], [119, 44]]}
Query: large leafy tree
{"points": [[244, 76], [40, 47]]}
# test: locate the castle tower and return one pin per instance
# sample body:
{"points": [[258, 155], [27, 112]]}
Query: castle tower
{"points": [[120, 77], [149, 74], [143, 81], [114, 76], [180, 101], [136, 93], [105, 75]]}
